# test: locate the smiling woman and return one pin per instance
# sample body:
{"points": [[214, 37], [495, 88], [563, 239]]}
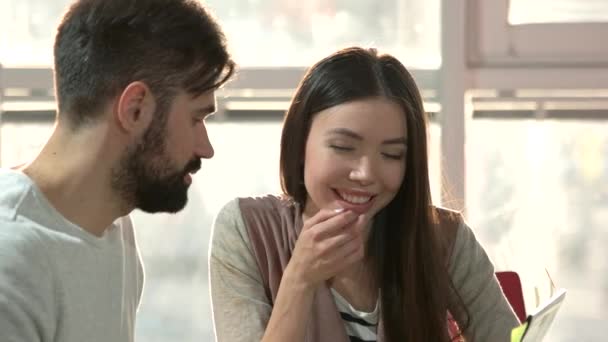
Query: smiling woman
{"points": [[354, 243], [355, 156]]}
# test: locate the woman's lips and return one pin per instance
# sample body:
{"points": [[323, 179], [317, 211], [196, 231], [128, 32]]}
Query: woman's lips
{"points": [[358, 202]]}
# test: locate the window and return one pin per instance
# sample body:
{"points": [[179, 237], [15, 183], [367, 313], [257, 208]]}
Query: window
{"points": [[21, 139], [176, 304], [538, 198], [556, 33], [523, 12], [292, 32], [281, 32], [27, 30]]}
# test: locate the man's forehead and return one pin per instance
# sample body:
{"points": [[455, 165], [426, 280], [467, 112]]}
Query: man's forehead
{"points": [[208, 95], [204, 99]]}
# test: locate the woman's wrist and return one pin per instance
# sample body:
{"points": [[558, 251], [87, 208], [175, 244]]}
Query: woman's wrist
{"points": [[295, 280]]}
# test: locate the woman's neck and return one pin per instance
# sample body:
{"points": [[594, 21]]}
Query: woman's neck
{"points": [[356, 285]]}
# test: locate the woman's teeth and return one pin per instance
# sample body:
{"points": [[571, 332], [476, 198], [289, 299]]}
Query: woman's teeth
{"points": [[355, 199]]}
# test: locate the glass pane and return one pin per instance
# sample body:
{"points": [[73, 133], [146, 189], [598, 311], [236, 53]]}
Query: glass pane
{"points": [[261, 32], [176, 306], [538, 199], [21, 141], [557, 11], [292, 32], [27, 30]]}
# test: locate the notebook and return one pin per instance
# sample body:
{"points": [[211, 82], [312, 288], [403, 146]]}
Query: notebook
{"points": [[538, 323]]}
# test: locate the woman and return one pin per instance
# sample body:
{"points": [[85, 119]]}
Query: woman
{"points": [[353, 249]]}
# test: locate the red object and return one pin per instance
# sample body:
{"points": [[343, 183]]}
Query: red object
{"points": [[511, 286]]}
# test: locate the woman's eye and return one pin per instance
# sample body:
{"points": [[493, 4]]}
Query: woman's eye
{"points": [[395, 156], [341, 148]]}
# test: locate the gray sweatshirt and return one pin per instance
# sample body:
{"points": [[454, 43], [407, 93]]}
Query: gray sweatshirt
{"points": [[59, 283]]}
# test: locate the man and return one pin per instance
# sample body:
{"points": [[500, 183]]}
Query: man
{"points": [[134, 81]]}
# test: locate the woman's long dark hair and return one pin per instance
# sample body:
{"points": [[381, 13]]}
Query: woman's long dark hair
{"points": [[406, 251]]}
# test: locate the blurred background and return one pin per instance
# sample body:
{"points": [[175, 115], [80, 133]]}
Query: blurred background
{"points": [[517, 94]]}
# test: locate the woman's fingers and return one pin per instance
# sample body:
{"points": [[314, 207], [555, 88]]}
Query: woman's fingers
{"points": [[349, 254], [322, 215], [342, 235], [332, 226], [329, 242], [345, 248]]}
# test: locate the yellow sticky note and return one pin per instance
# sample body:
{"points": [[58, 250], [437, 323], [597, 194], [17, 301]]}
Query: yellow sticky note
{"points": [[518, 333]]}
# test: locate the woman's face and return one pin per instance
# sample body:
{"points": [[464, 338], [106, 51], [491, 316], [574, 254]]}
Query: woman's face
{"points": [[355, 156]]}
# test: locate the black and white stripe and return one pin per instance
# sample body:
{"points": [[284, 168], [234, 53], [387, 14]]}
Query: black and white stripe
{"points": [[360, 326]]}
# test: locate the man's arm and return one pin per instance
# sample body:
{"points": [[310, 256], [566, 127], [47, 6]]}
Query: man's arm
{"points": [[26, 288]]}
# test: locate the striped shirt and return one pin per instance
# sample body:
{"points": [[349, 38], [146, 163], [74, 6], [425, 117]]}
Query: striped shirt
{"points": [[360, 326]]}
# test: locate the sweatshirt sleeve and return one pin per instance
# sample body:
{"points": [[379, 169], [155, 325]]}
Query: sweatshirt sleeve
{"points": [[240, 307], [490, 315], [26, 288]]}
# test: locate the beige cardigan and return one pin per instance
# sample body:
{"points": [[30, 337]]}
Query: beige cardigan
{"points": [[251, 245]]}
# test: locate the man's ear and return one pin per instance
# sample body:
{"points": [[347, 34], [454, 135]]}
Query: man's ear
{"points": [[135, 107]]}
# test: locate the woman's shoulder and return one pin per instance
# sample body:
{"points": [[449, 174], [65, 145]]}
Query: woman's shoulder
{"points": [[259, 213], [448, 224], [270, 214], [447, 218], [266, 223], [242, 221], [269, 203], [258, 204]]}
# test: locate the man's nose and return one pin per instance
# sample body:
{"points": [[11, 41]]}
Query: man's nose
{"points": [[204, 148]]}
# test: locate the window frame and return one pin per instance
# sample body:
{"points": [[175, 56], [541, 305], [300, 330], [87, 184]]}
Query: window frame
{"points": [[498, 43]]}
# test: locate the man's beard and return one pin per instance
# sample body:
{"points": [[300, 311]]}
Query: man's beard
{"points": [[148, 179]]}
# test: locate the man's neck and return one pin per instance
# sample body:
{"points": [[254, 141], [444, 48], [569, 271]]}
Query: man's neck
{"points": [[76, 179]]}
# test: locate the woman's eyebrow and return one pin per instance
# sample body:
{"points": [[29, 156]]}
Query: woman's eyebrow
{"points": [[348, 133]]}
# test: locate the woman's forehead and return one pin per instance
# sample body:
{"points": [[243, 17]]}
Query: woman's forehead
{"points": [[363, 115]]}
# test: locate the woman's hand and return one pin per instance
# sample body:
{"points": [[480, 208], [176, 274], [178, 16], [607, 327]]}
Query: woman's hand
{"points": [[329, 242]]}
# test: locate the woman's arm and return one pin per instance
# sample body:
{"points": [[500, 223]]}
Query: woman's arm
{"points": [[491, 316], [329, 241], [240, 307], [291, 311]]}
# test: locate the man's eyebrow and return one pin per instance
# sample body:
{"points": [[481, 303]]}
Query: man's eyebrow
{"points": [[354, 135]]}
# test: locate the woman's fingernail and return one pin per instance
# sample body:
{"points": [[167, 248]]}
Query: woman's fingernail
{"points": [[339, 210]]}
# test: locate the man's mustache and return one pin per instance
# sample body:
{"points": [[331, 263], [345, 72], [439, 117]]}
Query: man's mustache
{"points": [[193, 166]]}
